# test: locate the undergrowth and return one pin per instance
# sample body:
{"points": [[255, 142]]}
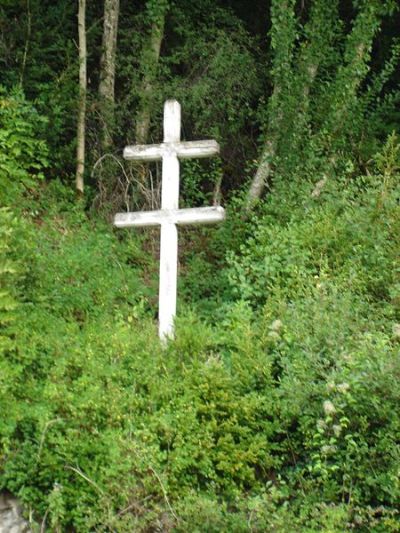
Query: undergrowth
{"points": [[277, 410]]}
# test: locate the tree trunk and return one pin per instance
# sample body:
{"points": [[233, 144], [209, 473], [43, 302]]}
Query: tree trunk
{"points": [[264, 168], [107, 71], [283, 36], [150, 58], [319, 33], [27, 41], [262, 174], [348, 80], [80, 152]]}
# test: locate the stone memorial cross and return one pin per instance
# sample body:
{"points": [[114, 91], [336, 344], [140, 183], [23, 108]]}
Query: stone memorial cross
{"points": [[170, 215]]}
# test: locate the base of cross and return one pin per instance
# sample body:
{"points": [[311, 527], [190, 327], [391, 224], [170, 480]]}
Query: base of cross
{"points": [[168, 219], [169, 216]]}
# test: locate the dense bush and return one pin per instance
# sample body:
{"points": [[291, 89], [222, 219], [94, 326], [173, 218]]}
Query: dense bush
{"points": [[23, 155], [8, 304]]}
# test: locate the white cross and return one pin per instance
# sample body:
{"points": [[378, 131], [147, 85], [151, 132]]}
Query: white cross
{"points": [[170, 215]]}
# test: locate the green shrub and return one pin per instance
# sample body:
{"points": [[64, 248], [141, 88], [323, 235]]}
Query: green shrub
{"points": [[22, 154], [279, 416], [8, 304]]}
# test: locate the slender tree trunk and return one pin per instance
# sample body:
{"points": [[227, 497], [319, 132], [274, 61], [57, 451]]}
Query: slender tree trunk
{"points": [[107, 71], [348, 80], [27, 41], [264, 168], [320, 32], [80, 152], [262, 174], [150, 58], [282, 37], [149, 65]]}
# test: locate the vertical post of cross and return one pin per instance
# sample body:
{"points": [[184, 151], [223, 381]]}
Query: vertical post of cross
{"points": [[169, 216], [169, 231]]}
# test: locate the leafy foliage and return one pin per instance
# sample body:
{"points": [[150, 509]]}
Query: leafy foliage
{"points": [[322, 116], [22, 154], [282, 416]]}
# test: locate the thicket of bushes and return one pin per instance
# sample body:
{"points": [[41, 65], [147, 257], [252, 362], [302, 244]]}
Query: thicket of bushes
{"points": [[277, 410]]}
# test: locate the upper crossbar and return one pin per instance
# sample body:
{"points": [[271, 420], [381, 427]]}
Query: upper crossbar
{"points": [[184, 150], [196, 215]]}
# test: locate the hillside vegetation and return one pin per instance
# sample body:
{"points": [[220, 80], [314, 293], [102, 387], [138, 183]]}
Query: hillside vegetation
{"points": [[276, 406], [278, 410]]}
